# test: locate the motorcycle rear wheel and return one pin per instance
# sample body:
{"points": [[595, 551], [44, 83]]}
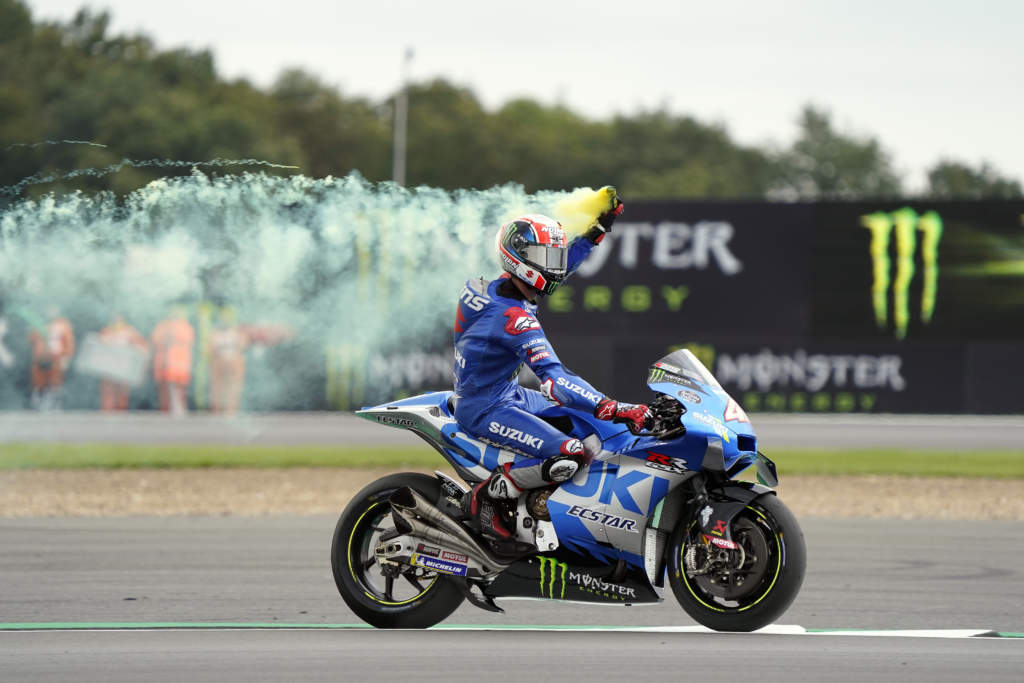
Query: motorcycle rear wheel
{"points": [[386, 597], [748, 589]]}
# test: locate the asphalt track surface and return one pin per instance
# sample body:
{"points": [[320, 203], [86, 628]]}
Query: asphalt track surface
{"points": [[775, 431], [133, 599], [254, 577]]}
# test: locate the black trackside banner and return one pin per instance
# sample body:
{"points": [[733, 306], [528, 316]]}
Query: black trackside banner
{"points": [[918, 270], [796, 376], [884, 306], [722, 268], [827, 307], [880, 306]]}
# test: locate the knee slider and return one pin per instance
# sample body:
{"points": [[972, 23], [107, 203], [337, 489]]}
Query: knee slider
{"points": [[562, 467]]}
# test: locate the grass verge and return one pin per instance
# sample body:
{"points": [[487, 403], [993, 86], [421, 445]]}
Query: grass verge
{"points": [[71, 456], [893, 461], [996, 464]]}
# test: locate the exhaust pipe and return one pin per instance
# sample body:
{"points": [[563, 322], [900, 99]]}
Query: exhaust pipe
{"points": [[408, 504], [418, 528]]}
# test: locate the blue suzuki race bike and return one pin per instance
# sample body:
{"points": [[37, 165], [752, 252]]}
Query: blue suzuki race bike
{"points": [[662, 505]]}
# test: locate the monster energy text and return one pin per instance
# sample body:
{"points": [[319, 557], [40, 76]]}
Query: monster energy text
{"points": [[552, 571], [592, 584], [906, 223], [659, 375]]}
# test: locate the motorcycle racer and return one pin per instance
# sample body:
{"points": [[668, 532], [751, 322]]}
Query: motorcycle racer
{"points": [[496, 332]]}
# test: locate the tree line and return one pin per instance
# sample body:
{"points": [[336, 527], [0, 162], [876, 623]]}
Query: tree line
{"points": [[78, 81]]}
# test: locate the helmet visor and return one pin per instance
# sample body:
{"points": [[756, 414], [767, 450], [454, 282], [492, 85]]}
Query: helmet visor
{"points": [[549, 259]]}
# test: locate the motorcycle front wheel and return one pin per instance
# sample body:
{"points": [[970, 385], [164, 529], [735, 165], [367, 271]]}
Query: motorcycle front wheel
{"points": [[387, 596], [745, 588]]}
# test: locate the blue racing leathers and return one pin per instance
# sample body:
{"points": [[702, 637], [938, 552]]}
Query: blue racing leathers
{"points": [[496, 331]]}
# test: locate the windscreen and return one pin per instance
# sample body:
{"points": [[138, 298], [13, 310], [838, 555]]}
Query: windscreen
{"points": [[683, 363]]}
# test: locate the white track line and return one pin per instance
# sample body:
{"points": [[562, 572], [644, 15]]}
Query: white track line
{"points": [[773, 629]]}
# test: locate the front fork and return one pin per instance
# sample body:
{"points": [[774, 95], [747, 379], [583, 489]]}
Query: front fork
{"points": [[708, 499]]}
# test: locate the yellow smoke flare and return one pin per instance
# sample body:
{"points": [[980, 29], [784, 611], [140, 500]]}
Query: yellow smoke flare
{"points": [[580, 209], [576, 212]]}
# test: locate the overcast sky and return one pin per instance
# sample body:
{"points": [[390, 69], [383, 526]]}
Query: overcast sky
{"points": [[930, 79]]}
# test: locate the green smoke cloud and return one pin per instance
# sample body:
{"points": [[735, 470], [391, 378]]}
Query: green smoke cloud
{"points": [[342, 261]]}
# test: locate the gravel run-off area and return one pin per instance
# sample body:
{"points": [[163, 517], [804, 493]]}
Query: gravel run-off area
{"points": [[314, 491]]}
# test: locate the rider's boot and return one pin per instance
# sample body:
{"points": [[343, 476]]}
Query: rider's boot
{"points": [[487, 505]]}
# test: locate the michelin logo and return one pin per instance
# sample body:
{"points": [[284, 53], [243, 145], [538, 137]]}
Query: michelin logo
{"points": [[439, 565], [515, 435]]}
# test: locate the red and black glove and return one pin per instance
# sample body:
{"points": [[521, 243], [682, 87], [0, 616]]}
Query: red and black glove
{"points": [[637, 416], [604, 222], [606, 219]]}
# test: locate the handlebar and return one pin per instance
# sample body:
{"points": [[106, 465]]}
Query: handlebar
{"points": [[665, 423]]}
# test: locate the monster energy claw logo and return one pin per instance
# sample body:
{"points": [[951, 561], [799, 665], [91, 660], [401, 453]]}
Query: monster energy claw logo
{"points": [[907, 224], [550, 564]]}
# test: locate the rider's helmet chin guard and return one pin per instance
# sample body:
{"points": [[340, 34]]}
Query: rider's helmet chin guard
{"points": [[534, 248]]}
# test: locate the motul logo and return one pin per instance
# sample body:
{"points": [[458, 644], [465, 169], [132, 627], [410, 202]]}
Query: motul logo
{"points": [[515, 435]]}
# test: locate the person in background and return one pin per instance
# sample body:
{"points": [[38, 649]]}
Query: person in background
{"points": [[6, 357], [173, 339], [226, 347], [11, 337], [119, 334], [53, 347]]}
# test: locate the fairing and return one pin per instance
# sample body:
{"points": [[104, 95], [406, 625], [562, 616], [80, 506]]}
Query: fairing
{"points": [[710, 411], [605, 510]]}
